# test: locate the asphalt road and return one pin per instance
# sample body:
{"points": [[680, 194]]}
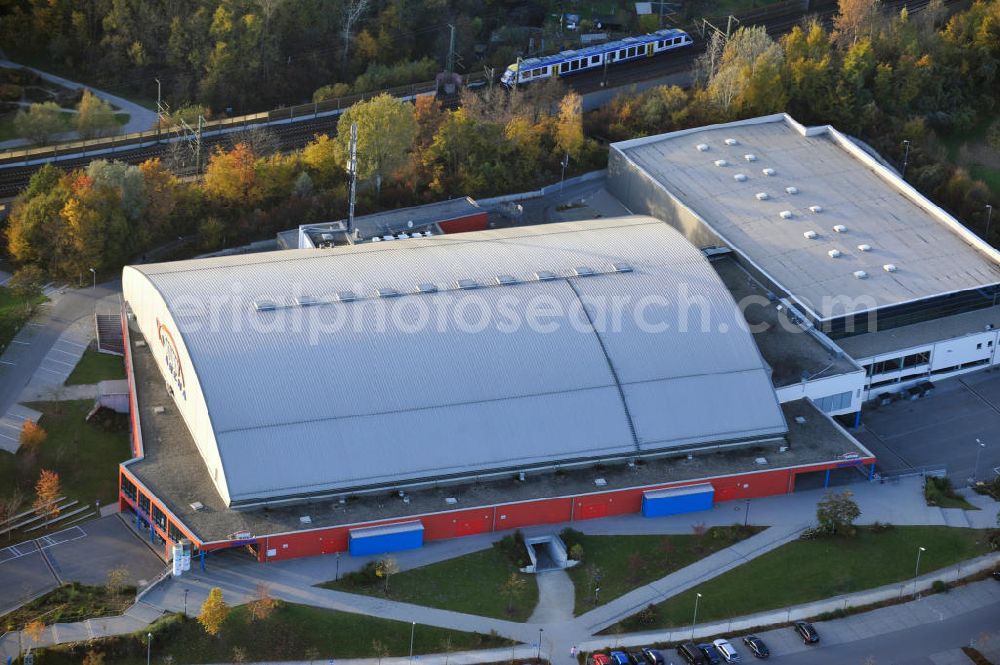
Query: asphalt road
{"points": [[912, 646], [20, 361]]}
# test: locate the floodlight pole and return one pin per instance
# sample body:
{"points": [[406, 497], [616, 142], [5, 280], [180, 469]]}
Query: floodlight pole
{"points": [[352, 170], [989, 217], [906, 157], [694, 620], [916, 572], [979, 449]]}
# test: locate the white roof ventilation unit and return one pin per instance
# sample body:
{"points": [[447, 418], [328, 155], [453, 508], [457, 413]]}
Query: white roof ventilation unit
{"points": [[346, 296], [387, 293], [507, 279], [762, 196], [376, 239], [767, 171], [621, 266], [545, 275], [860, 274], [792, 190], [702, 147], [864, 247], [809, 235], [840, 228], [264, 305], [786, 214], [427, 287], [732, 142], [740, 177], [306, 301], [468, 284], [750, 157], [388, 237], [833, 253], [815, 208], [889, 267], [721, 162], [583, 271]]}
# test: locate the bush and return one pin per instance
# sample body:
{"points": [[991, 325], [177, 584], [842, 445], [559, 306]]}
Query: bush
{"points": [[936, 489], [571, 538], [332, 92], [513, 549], [378, 77], [367, 576], [879, 527], [940, 586], [10, 92]]}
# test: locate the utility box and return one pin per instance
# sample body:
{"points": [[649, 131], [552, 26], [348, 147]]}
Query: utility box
{"points": [[678, 500], [382, 539]]}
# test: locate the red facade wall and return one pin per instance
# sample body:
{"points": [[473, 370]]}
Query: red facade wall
{"points": [[476, 222]]}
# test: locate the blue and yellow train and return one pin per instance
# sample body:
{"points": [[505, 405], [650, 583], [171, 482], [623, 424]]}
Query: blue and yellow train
{"points": [[568, 63]]}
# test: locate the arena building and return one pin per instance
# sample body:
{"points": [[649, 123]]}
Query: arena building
{"points": [[297, 402], [837, 239]]}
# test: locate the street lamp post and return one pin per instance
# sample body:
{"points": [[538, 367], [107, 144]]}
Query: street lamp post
{"points": [[906, 157], [185, 602], [564, 163], [979, 449], [694, 620], [538, 654], [746, 514], [149, 644], [989, 216], [337, 575], [916, 572], [413, 629], [94, 273], [597, 595]]}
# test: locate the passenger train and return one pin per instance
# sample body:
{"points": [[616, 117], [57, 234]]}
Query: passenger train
{"points": [[591, 57]]}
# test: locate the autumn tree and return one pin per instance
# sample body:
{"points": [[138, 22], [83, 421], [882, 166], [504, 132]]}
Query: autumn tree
{"points": [[40, 123], [47, 493], [32, 435], [855, 19], [379, 650], [387, 130], [385, 569], [263, 604], [93, 658], [34, 629], [116, 581], [26, 285], [94, 117], [322, 161], [231, 176], [836, 513], [214, 612], [569, 128], [512, 588]]}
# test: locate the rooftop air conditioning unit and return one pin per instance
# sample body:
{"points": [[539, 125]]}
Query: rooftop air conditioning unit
{"points": [[732, 142], [840, 228], [889, 267], [740, 177], [860, 274], [750, 157], [767, 171], [721, 162], [785, 214], [815, 208], [833, 253], [792, 190], [864, 248], [809, 235], [376, 239], [702, 147], [762, 196]]}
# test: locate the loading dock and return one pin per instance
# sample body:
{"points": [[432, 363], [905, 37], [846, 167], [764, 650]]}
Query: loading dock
{"points": [[677, 500], [382, 539]]}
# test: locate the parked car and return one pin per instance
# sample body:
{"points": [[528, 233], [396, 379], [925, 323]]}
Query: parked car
{"points": [[727, 651], [756, 646], [711, 655], [692, 654], [996, 575], [653, 656], [598, 659], [620, 658], [806, 632], [637, 658]]}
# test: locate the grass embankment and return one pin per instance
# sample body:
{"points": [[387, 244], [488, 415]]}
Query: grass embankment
{"points": [[95, 366], [292, 632], [69, 603], [939, 492], [84, 454], [808, 570], [470, 584], [13, 315], [628, 562]]}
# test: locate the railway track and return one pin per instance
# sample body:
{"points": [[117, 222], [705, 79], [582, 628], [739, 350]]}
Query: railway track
{"points": [[291, 135]]}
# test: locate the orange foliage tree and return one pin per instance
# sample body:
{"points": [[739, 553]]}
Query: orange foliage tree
{"points": [[47, 491], [32, 435]]}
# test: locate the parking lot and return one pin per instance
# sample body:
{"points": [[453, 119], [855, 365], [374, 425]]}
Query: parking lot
{"points": [[940, 431]]}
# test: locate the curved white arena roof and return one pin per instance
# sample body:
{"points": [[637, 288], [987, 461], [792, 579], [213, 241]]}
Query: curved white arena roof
{"points": [[452, 357]]}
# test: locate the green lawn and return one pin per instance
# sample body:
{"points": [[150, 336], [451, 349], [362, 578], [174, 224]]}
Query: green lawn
{"points": [[84, 454], [627, 562], [293, 632], [95, 366], [13, 315], [70, 603], [469, 584], [808, 570]]}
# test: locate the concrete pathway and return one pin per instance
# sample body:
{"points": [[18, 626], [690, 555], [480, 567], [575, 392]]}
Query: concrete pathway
{"points": [[556, 597]]}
